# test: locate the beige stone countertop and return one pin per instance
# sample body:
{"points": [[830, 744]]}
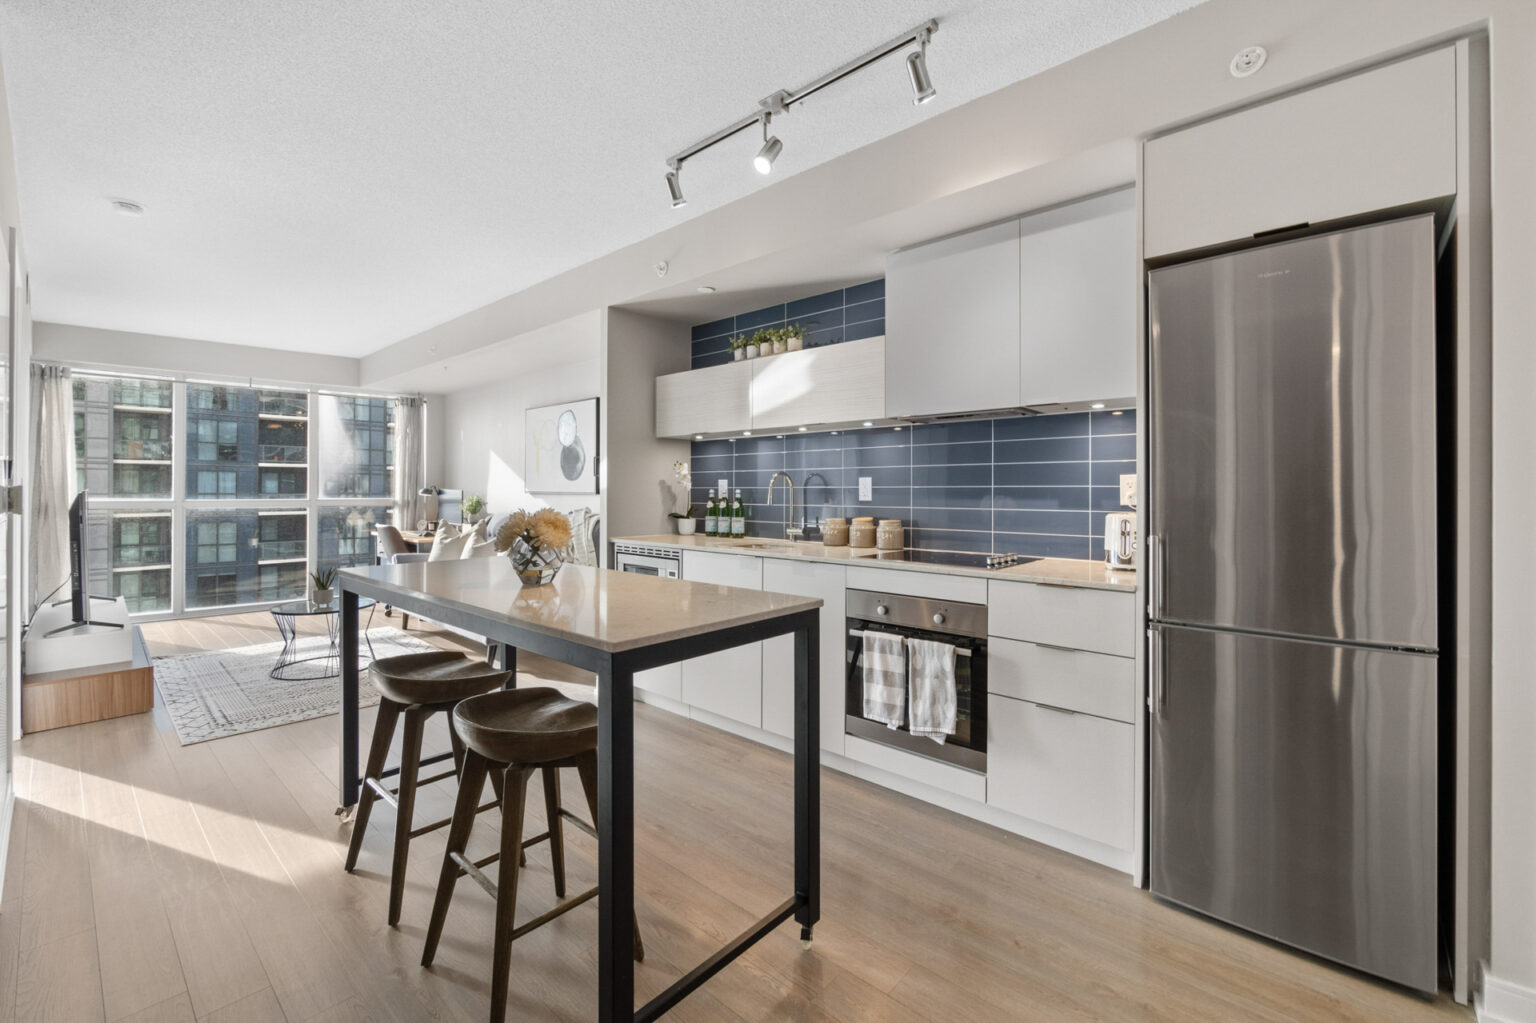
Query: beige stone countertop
{"points": [[595, 607], [1056, 571]]}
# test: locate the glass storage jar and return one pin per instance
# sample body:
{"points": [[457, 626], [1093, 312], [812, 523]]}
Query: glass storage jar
{"points": [[890, 536]]}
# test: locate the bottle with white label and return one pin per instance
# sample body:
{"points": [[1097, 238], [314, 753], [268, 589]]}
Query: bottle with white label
{"points": [[738, 516], [710, 515]]}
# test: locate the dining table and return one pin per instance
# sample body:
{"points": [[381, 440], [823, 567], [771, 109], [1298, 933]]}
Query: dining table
{"points": [[612, 624]]}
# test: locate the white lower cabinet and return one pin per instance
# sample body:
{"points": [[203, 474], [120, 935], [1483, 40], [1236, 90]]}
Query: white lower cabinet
{"points": [[666, 680], [728, 683], [1068, 770], [807, 579]]}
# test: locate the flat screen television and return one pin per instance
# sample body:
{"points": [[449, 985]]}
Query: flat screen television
{"points": [[79, 562], [79, 571]]}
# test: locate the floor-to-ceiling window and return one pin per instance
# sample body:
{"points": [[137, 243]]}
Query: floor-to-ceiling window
{"points": [[208, 496]]}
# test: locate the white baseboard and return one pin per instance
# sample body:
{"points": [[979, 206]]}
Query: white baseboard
{"points": [[1504, 1001]]}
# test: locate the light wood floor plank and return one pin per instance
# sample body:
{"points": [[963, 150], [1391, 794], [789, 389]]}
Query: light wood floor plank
{"points": [[151, 881]]}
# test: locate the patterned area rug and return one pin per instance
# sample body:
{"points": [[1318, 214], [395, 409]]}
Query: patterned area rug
{"points": [[227, 692]]}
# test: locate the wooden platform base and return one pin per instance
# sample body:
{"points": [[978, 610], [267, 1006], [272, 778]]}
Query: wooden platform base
{"points": [[57, 699]]}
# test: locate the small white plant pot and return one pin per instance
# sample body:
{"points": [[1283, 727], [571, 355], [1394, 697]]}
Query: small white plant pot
{"points": [[796, 343], [739, 354], [752, 351], [319, 596], [685, 527], [780, 347]]}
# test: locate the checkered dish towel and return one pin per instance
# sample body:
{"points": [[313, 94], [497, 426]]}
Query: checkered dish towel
{"points": [[885, 678], [933, 688]]}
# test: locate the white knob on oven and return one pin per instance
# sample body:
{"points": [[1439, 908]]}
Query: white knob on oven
{"points": [[938, 618], [882, 610]]}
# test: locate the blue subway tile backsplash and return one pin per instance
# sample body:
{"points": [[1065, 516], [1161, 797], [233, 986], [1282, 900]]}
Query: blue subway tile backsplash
{"points": [[847, 314], [1033, 485]]}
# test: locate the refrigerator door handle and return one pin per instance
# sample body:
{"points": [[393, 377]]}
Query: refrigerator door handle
{"points": [[1155, 684], [1154, 576]]}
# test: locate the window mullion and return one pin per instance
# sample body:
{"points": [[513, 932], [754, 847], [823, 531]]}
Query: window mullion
{"points": [[178, 498]]}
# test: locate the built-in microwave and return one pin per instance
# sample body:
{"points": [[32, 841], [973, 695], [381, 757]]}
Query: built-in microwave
{"points": [[962, 625], [643, 559]]}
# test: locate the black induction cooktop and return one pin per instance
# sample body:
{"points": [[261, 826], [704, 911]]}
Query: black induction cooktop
{"points": [[960, 559]]}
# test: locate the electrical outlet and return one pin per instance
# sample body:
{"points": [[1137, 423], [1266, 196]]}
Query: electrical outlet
{"points": [[866, 488], [724, 486], [1128, 490]]}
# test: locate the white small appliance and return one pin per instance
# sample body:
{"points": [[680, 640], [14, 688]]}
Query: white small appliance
{"points": [[644, 559], [1120, 539]]}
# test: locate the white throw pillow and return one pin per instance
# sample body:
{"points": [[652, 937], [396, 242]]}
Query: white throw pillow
{"points": [[447, 548], [479, 531], [478, 550]]}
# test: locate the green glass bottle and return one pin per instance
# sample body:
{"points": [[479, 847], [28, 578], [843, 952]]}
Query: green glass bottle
{"points": [[710, 515], [738, 516]]}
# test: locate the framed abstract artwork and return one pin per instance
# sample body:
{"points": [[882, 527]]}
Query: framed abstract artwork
{"points": [[560, 448]]}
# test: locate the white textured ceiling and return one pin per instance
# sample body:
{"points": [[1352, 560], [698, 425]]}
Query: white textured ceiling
{"points": [[331, 177]]}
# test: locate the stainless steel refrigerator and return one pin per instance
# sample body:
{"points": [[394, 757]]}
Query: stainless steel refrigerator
{"points": [[1292, 578]]}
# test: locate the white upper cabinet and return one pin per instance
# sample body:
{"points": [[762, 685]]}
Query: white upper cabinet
{"points": [[711, 400], [842, 383], [1078, 273], [1375, 141], [952, 324]]}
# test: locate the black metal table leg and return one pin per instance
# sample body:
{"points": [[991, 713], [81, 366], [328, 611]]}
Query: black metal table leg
{"points": [[349, 771], [616, 843], [807, 776]]}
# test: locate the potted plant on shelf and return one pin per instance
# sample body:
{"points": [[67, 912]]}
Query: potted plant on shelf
{"points": [[780, 339], [739, 347], [474, 506], [678, 491], [537, 542], [320, 592], [755, 344], [794, 337]]}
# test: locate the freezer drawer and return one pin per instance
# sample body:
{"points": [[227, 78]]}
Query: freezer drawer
{"points": [[1293, 793], [1292, 438]]}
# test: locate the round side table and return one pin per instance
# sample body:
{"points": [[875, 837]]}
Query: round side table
{"points": [[287, 618]]}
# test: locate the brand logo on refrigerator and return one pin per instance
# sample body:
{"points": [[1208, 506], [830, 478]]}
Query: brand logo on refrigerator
{"points": [[1273, 273]]}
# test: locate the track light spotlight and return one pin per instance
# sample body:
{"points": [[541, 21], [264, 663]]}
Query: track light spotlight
{"points": [[676, 188], [763, 161], [917, 70]]}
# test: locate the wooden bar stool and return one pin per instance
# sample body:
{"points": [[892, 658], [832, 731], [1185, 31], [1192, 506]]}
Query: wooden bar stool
{"points": [[517, 732], [415, 686]]}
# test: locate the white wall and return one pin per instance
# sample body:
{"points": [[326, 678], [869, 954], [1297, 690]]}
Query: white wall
{"points": [[152, 353], [636, 350], [482, 434]]}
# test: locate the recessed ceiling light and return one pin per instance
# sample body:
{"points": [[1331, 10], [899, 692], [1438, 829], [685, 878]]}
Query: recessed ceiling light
{"points": [[746, 433], [1097, 404], [698, 436], [868, 422], [705, 289], [1117, 412], [128, 208], [802, 429], [897, 429]]}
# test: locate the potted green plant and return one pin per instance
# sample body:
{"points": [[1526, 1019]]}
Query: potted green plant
{"points": [[780, 339], [755, 344], [794, 337], [739, 347], [474, 504], [320, 592]]}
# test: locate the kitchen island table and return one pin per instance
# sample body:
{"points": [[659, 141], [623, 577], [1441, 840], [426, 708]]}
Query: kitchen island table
{"points": [[612, 624]]}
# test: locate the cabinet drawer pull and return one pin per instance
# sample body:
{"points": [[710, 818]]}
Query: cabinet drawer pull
{"points": [[1059, 710], [1053, 646]]}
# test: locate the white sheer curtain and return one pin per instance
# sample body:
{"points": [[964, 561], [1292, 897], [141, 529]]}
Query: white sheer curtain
{"points": [[409, 426], [53, 477]]}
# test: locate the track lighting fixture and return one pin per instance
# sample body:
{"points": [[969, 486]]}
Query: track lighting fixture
{"points": [[917, 70], [781, 101], [772, 147], [675, 187]]}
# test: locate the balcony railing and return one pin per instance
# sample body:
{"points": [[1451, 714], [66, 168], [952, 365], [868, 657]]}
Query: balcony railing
{"points": [[278, 550], [142, 450], [296, 453], [283, 405]]}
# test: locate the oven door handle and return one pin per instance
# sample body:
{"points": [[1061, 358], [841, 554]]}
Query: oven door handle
{"points": [[960, 651]]}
